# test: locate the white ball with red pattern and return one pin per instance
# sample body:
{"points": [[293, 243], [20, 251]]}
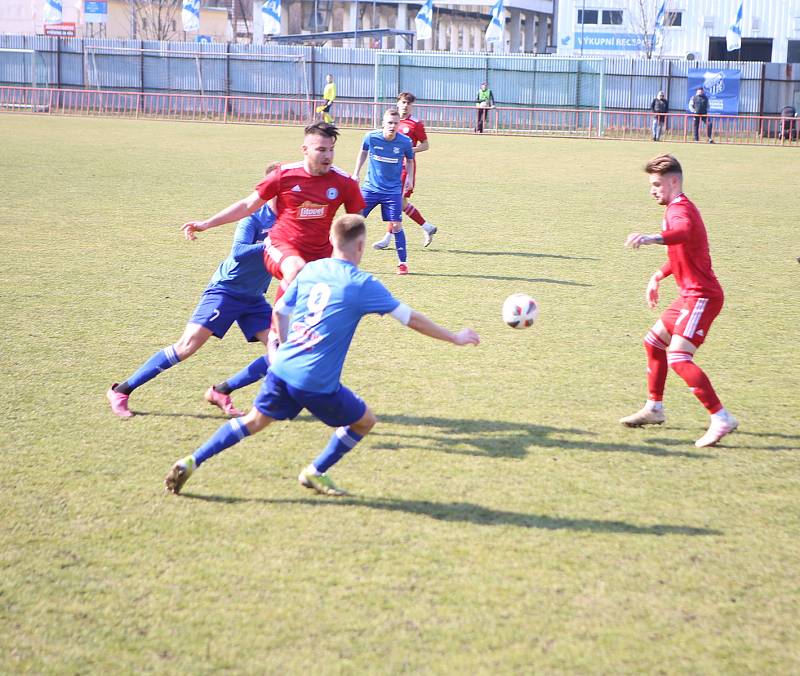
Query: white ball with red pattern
{"points": [[520, 311]]}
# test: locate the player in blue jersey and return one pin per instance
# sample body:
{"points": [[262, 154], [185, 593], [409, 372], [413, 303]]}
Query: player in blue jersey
{"points": [[234, 294], [317, 318], [386, 149]]}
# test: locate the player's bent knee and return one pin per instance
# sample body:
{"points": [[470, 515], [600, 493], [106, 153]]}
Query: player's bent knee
{"points": [[364, 424], [396, 227], [255, 420], [290, 266], [191, 341]]}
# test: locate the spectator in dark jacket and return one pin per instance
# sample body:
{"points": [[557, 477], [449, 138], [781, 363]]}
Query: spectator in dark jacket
{"points": [[659, 106], [698, 104]]}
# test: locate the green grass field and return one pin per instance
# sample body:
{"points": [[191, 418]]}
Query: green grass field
{"points": [[502, 520]]}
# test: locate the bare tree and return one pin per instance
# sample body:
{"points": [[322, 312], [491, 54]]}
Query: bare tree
{"points": [[156, 19], [643, 17]]}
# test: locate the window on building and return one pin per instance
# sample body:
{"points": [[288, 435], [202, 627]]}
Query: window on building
{"points": [[793, 51], [673, 18], [587, 16], [612, 17]]}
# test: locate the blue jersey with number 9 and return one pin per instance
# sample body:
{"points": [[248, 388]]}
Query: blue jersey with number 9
{"points": [[329, 297]]}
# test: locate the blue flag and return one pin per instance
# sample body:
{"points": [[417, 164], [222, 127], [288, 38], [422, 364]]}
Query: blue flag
{"points": [[423, 24], [271, 14], [191, 15], [495, 31], [52, 11], [661, 18], [734, 35]]}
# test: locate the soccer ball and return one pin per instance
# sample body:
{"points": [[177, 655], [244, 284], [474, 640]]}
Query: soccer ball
{"points": [[520, 311]]}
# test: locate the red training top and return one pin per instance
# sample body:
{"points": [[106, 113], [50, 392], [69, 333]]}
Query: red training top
{"points": [[685, 235], [307, 204]]}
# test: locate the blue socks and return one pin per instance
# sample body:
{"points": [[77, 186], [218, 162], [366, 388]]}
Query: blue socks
{"points": [[342, 440], [160, 361], [251, 373], [400, 245], [232, 432]]}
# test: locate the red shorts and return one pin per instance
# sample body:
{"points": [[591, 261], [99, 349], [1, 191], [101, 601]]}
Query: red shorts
{"points": [[407, 193], [277, 251], [691, 318]]}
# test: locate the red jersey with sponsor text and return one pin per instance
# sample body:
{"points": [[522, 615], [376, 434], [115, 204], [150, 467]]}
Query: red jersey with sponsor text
{"points": [[684, 233], [306, 206], [413, 128]]}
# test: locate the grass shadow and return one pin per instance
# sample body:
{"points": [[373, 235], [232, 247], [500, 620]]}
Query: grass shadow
{"points": [[519, 254], [504, 278], [163, 414], [466, 512], [477, 437]]}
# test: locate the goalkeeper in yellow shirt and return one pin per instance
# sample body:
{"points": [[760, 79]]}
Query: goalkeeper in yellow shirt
{"points": [[329, 94]]}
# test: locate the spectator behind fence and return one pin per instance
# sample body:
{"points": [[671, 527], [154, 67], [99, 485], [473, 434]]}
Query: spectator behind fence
{"points": [[484, 102], [788, 124], [698, 104], [659, 106]]}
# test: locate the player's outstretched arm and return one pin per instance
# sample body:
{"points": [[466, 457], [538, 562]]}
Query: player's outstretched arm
{"points": [[637, 239], [234, 212], [427, 327], [360, 159]]}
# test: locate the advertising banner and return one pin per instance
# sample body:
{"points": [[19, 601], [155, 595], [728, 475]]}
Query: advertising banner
{"points": [[721, 87], [95, 11]]}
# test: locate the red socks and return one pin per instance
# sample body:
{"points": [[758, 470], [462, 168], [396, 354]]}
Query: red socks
{"points": [[696, 379], [657, 368], [413, 213]]}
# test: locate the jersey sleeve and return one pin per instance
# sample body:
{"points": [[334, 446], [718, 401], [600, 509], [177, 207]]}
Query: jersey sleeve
{"points": [[409, 150], [288, 300], [270, 185], [680, 226], [246, 230], [420, 129], [353, 199], [242, 252], [365, 142], [375, 298]]}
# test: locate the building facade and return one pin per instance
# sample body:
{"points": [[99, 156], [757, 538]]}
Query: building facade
{"points": [[695, 29]]}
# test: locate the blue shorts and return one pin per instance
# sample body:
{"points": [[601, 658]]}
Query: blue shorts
{"points": [[391, 204], [217, 310], [279, 400]]}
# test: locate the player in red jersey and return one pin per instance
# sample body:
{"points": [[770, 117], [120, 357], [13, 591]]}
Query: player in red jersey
{"points": [[308, 195], [684, 325], [414, 128]]}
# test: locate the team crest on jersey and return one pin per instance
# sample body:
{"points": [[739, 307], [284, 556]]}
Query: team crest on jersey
{"points": [[332, 193], [405, 129], [396, 150], [310, 210]]}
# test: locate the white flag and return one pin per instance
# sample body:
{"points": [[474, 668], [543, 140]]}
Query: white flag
{"points": [[734, 35], [191, 15], [52, 11], [495, 31], [271, 15], [660, 25], [423, 24]]}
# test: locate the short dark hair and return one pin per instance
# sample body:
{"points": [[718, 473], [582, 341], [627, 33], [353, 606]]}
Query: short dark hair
{"points": [[348, 228], [271, 167], [406, 96], [322, 129], [663, 164]]}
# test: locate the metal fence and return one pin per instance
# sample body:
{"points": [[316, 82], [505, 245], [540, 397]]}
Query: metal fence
{"points": [[566, 122], [369, 75]]}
